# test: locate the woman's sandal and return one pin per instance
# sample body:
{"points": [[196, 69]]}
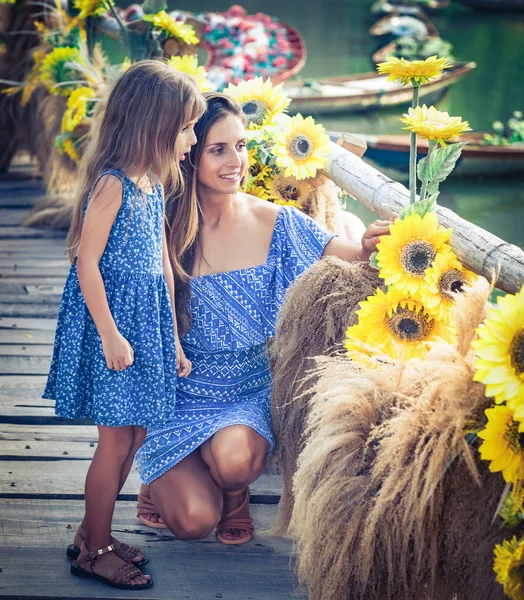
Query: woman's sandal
{"points": [[243, 523], [146, 506], [121, 577]]}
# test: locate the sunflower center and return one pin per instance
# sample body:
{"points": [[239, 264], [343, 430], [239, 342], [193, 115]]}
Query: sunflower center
{"points": [[416, 257], [434, 124], [514, 438], [288, 192], [516, 352], [300, 146], [451, 282], [255, 111], [408, 325]]}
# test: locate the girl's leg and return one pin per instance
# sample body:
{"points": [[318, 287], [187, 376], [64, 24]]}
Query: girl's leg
{"points": [[188, 498], [101, 489], [236, 457]]}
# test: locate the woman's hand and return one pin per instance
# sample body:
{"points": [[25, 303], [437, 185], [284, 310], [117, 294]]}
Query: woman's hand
{"points": [[183, 364], [117, 351], [372, 235]]}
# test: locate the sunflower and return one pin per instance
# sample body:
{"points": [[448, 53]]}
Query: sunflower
{"points": [[508, 563], [397, 325], [260, 100], [405, 255], [444, 280], [416, 72], [503, 444], [434, 124], [182, 32], [288, 191], [90, 8], [301, 147], [259, 191], [189, 64], [500, 352], [67, 145], [76, 108], [56, 69]]}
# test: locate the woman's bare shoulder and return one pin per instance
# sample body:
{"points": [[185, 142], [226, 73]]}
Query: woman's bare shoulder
{"points": [[262, 211]]}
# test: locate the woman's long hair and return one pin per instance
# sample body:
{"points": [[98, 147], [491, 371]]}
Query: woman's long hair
{"points": [[145, 112], [181, 246]]}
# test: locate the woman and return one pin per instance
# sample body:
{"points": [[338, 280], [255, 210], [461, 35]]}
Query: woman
{"points": [[246, 254]]}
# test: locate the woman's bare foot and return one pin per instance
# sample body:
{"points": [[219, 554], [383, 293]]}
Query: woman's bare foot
{"points": [[231, 503]]}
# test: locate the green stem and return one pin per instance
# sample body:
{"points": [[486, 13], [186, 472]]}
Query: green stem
{"points": [[121, 25], [413, 151]]}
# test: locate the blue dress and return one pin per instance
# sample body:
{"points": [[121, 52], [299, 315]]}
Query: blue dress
{"points": [[234, 314], [138, 297]]}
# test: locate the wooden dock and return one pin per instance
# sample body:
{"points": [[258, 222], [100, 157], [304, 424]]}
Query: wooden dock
{"points": [[44, 458]]}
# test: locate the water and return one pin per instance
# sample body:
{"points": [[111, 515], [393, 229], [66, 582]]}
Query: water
{"points": [[338, 42]]}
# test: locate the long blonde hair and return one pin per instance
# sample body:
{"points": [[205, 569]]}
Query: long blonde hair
{"points": [[145, 112]]}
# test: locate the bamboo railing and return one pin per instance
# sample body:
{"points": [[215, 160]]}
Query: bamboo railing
{"points": [[476, 248]]}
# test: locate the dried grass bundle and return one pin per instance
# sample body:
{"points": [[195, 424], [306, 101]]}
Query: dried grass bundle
{"points": [[323, 204], [316, 313], [390, 501]]}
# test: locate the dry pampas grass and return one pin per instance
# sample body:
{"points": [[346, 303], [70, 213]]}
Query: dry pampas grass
{"points": [[313, 320], [390, 500]]}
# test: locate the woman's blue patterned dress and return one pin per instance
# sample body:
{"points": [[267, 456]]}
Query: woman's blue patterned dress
{"points": [[138, 296], [234, 313]]}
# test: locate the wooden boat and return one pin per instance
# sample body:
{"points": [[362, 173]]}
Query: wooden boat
{"points": [[476, 159], [382, 53], [385, 7], [367, 91], [397, 24], [499, 5]]}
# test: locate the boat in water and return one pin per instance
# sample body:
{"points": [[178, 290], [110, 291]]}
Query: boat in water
{"points": [[366, 91]]}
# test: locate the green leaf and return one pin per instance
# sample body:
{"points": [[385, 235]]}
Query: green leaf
{"points": [[373, 261], [439, 163], [421, 207], [151, 7]]}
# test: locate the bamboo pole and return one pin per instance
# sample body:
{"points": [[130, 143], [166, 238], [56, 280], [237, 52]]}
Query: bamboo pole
{"points": [[476, 248]]}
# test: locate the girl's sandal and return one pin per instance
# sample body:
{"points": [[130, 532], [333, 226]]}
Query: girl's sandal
{"points": [[121, 577], [146, 506], [229, 521], [123, 551]]}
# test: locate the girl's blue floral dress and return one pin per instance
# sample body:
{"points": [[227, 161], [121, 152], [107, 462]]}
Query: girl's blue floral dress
{"points": [[234, 313], [138, 296]]}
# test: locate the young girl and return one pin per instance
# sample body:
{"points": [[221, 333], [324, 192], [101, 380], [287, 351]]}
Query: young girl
{"points": [[116, 351]]}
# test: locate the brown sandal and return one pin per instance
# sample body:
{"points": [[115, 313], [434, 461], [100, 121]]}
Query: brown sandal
{"points": [[146, 506], [121, 577], [124, 551], [242, 523]]}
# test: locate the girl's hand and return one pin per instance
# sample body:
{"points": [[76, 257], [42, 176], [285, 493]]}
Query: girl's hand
{"points": [[183, 364], [372, 235], [117, 351]]}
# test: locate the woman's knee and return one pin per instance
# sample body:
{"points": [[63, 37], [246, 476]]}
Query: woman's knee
{"points": [[192, 524], [237, 468]]}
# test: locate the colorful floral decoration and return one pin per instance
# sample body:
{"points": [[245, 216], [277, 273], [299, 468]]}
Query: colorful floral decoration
{"points": [[434, 124], [416, 72], [188, 63]]}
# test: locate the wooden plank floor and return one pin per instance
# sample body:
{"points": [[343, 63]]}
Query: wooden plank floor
{"points": [[44, 458]]}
